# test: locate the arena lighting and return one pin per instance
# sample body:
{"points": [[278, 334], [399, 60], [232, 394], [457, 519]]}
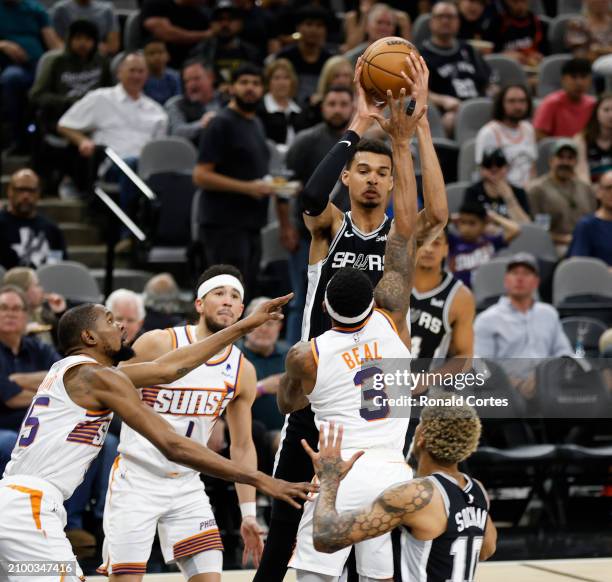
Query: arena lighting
{"points": [[135, 178]]}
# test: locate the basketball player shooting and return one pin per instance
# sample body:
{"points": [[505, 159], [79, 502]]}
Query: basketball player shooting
{"points": [[353, 239], [67, 423], [443, 515], [367, 324]]}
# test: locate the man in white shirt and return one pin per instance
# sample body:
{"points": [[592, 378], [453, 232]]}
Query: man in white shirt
{"points": [[120, 117], [511, 131]]}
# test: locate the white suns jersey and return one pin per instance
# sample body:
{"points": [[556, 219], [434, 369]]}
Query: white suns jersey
{"points": [[191, 405], [58, 439], [337, 394]]}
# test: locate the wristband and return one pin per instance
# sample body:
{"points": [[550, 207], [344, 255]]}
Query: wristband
{"points": [[248, 509], [260, 389]]}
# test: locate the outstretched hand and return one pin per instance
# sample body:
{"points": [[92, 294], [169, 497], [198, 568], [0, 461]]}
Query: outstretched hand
{"points": [[400, 125], [271, 310], [328, 461]]}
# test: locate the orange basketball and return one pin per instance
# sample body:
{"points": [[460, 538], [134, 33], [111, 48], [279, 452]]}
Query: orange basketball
{"points": [[383, 62]]}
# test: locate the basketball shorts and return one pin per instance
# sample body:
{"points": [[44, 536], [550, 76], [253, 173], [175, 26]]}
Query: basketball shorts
{"points": [[374, 472], [138, 503], [32, 538]]}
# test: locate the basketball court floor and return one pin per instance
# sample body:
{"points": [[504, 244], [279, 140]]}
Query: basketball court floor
{"points": [[589, 570]]}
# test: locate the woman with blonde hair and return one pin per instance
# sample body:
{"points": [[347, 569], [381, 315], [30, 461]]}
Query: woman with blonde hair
{"points": [[278, 111]]}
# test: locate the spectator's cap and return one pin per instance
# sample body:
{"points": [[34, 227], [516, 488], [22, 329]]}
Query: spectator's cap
{"points": [[576, 68], [83, 28], [494, 157], [524, 259], [564, 144], [312, 12], [224, 7]]}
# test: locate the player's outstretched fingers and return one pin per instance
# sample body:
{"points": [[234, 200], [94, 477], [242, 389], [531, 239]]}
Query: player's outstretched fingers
{"points": [[312, 454], [338, 439], [353, 459]]}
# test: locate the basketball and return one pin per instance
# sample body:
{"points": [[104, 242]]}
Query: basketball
{"points": [[383, 62]]}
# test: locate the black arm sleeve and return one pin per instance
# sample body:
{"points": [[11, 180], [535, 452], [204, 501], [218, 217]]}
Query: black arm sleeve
{"points": [[315, 195]]}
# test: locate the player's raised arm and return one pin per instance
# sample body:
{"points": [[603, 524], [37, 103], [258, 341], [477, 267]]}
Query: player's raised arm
{"points": [[404, 503], [319, 213], [176, 363], [112, 389], [298, 380]]}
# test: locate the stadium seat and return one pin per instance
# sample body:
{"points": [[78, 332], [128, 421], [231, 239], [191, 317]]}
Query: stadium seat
{"points": [[274, 270], [168, 154], [132, 33], [556, 32], [507, 70], [581, 276], [472, 115], [455, 193], [603, 66], [583, 333], [70, 279], [132, 279], [420, 29], [447, 151], [435, 121], [115, 62], [488, 281], [569, 6], [545, 147], [549, 79], [271, 249], [534, 239], [467, 169]]}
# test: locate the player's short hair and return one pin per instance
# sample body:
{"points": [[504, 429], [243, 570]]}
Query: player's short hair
{"points": [[349, 292], [451, 433], [221, 269], [73, 323], [375, 146]]}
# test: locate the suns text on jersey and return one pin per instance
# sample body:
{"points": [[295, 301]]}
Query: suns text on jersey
{"points": [[192, 401]]}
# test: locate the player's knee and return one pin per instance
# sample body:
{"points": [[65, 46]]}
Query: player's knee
{"points": [[210, 562], [306, 576]]}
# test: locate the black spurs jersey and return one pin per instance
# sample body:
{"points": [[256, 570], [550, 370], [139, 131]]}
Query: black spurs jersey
{"points": [[453, 556], [430, 327], [349, 248]]}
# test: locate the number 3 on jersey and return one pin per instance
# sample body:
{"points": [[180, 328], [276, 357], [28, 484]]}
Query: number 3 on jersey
{"points": [[370, 394]]}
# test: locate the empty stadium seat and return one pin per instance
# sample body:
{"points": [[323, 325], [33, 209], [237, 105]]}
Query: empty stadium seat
{"points": [[132, 33], [557, 30], [435, 121], [534, 239], [581, 276], [168, 154], [420, 29], [455, 193], [545, 147], [507, 70], [488, 281], [472, 115], [70, 279], [467, 169], [583, 333], [549, 79]]}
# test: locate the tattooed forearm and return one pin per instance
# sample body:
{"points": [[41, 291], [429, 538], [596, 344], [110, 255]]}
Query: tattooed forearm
{"points": [[334, 531], [393, 290]]}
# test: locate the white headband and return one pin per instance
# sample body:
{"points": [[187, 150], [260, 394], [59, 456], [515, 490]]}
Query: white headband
{"points": [[220, 281], [341, 318]]}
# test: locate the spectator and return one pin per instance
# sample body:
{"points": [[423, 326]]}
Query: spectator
{"points": [[181, 24], [309, 54], [26, 237], [471, 246], [475, 20], [263, 349], [457, 71], [120, 117], [591, 36], [495, 192], [359, 24], [519, 327], [24, 362], [519, 33], [25, 34], [566, 112], [225, 51], [70, 75], [100, 14], [44, 309], [128, 309], [337, 72], [381, 21], [308, 149], [279, 113], [162, 303], [511, 130], [162, 81], [595, 142], [593, 234], [561, 195], [258, 25], [189, 113], [233, 160]]}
